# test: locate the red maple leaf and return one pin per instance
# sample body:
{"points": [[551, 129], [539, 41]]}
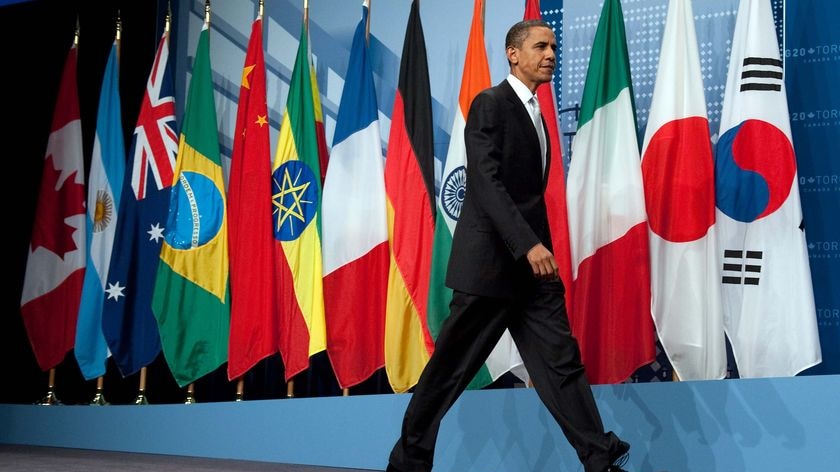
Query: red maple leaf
{"points": [[54, 206]]}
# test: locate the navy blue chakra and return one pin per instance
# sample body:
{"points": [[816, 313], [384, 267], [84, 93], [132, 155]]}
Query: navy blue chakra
{"points": [[454, 189]]}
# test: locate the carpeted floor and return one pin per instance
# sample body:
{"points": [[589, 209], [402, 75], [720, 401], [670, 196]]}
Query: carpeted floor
{"points": [[16, 458]]}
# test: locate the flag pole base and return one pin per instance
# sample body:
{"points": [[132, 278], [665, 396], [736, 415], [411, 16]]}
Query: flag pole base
{"points": [[99, 399], [50, 399], [239, 397], [141, 399]]}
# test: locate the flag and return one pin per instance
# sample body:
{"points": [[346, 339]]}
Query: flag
{"points": [[296, 200], [610, 261], [254, 330], [190, 299], [107, 168], [355, 227], [768, 300], [555, 188], [450, 198], [55, 268], [409, 185], [678, 172], [127, 319]]}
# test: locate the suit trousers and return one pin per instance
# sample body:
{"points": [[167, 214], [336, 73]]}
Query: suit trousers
{"points": [[538, 323]]}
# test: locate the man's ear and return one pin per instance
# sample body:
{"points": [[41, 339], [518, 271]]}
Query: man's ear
{"points": [[512, 55]]}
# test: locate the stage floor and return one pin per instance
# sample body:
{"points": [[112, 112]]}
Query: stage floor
{"points": [[780, 424], [16, 458]]}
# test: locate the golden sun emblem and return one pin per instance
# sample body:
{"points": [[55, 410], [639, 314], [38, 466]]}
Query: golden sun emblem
{"points": [[103, 213]]}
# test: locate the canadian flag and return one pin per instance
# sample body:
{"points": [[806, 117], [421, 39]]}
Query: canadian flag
{"points": [[55, 268]]}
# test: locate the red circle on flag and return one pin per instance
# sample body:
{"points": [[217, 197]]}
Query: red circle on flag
{"points": [[763, 148], [678, 173]]}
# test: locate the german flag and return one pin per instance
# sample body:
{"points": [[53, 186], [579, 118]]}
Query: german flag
{"points": [[409, 185]]}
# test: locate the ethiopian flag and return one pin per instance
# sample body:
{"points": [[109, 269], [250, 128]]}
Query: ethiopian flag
{"points": [[296, 208], [191, 299]]}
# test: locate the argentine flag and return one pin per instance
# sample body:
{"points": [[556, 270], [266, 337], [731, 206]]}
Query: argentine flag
{"points": [[107, 168]]}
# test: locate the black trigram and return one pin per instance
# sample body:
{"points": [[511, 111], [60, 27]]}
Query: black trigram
{"points": [[741, 267], [763, 74]]}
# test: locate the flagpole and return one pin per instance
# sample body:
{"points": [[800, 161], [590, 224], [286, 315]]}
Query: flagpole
{"points": [[207, 13], [367, 23], [290, 385], [141, 399], [240, 384], [167, 24], [261, 8], [76, 33], [50, 398], [99, 396], [118, 34], [190, 392]]}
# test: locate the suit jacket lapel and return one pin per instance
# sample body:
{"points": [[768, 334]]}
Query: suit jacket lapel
{"points": [[521, 115]]}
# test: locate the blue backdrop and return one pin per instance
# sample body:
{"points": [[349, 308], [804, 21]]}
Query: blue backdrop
{"points": [[812, 65], [812, 53]]}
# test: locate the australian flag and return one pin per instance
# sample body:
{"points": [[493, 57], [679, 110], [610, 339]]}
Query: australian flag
{"points": [[127, 320]]}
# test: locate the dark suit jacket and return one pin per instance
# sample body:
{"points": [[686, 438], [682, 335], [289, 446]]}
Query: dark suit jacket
{"points": [[504, 213]]}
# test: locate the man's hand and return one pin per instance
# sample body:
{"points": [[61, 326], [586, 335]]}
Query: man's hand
{"points": [[542, 262]]}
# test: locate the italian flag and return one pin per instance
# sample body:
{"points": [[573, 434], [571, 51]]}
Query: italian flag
{"points": [[607, 222]]}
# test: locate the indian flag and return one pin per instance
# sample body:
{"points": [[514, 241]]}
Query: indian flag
{"points": [[476, 78]]}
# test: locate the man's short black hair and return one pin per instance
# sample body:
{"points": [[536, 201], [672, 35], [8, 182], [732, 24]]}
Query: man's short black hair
{"points": [[518, 32]]}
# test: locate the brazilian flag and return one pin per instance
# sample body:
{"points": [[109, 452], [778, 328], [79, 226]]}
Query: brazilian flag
{"points": [[191, 300]]}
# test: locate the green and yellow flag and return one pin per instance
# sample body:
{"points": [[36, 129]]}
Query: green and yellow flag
{"points": [[191, 299], [296, 210]]}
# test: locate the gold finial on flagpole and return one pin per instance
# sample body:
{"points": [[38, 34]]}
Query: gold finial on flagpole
{"points": [[207, 12], [119, 25], [117, 40], [306, 14], [262, 8], [76, 33]]}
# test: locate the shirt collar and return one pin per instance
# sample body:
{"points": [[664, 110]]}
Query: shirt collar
{"points": [[522, 90]]}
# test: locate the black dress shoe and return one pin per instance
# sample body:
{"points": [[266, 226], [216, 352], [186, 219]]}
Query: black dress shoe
{"points": [[620, 453], [619, 457]]}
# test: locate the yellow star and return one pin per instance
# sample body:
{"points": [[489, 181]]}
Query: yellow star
{"points": [[261, 120], [246, 71], [297, 191]]}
